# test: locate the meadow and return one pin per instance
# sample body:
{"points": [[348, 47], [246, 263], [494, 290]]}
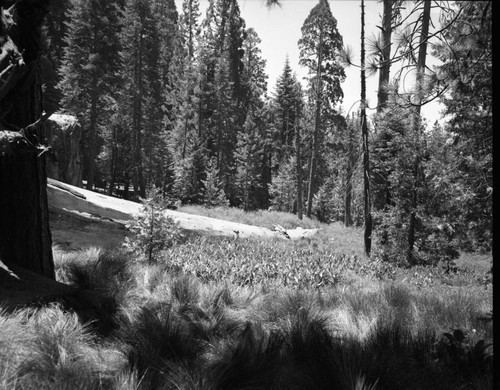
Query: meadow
{"points": [[214, 313]]}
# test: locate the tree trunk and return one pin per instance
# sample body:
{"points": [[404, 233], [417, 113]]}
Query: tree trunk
{"points": [[312, 165], [385, 63], [113, 165], [384, 200], [92, 138], [317, 119], [348, 189], [25, 238], [126, 187], [298, 156], [137, 174], [422, 54], [366, 151]]}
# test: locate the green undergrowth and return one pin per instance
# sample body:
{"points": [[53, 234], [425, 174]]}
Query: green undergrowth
{"points": [[213, 313]]}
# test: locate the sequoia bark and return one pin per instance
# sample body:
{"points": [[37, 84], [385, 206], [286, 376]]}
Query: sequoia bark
{"points": [[25, 238]]}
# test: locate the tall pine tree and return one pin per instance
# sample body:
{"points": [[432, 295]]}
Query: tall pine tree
{"points": [[319, 47], [147, 27], [89, 71], [223, 94], [183, 121], [287, 98], [249, 154]]}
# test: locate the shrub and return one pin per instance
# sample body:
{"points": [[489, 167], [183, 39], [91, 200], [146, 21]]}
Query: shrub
{"points": [[435, 240], [467, 359], [152, 229]]}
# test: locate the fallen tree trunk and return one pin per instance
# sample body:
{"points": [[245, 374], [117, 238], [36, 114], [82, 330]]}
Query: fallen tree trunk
{"points": [[87, 209]]}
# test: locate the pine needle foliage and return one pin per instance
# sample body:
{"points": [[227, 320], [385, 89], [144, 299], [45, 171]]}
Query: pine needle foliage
{"points": [[153, 231], [214, 195]]}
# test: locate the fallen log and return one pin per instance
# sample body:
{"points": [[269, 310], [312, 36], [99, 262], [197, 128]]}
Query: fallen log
{"points": [[96, 208]]}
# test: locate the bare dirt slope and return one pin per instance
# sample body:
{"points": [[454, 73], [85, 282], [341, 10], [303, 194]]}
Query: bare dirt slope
{"points": [[83, 218]]}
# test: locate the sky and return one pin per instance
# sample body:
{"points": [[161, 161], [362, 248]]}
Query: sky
{"points": [[279, 28]]}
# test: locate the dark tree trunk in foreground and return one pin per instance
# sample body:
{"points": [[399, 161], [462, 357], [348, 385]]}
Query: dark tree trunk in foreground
{"points": [[366, 151], [422, 54], [25, 238]]}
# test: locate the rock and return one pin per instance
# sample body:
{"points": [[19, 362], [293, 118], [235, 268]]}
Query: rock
{"points": [[86, 211], [64, 136]]}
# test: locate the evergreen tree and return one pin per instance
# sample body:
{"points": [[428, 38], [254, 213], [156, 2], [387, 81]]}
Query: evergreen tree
{"points": [[416, 124], [186, 186], [394, 154], [189, 26], [287, 142], [235, 52], [329, 205], [160, 67], [89, 72], [320, 46], [382, 61], [368, 218], [436, 225], [249, 154], [214, 192], [147, 28], [351, 157], [298, 151], [253, 75], [466, 54], [288, 102], [224, 126], [182, 121], [283, 189], [254, 81], [223, 96], [53, 33], [138, 25]]}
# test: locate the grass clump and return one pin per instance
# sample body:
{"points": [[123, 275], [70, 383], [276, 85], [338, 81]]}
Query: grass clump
{"points": [[48, 348], [154, 340]]}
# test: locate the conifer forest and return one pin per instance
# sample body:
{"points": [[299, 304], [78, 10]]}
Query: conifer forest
{"points": [[373, 267], [177, 100]]}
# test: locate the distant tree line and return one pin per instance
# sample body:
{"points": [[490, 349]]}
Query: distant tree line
{"points": [[170, 99], [175, 100]]}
